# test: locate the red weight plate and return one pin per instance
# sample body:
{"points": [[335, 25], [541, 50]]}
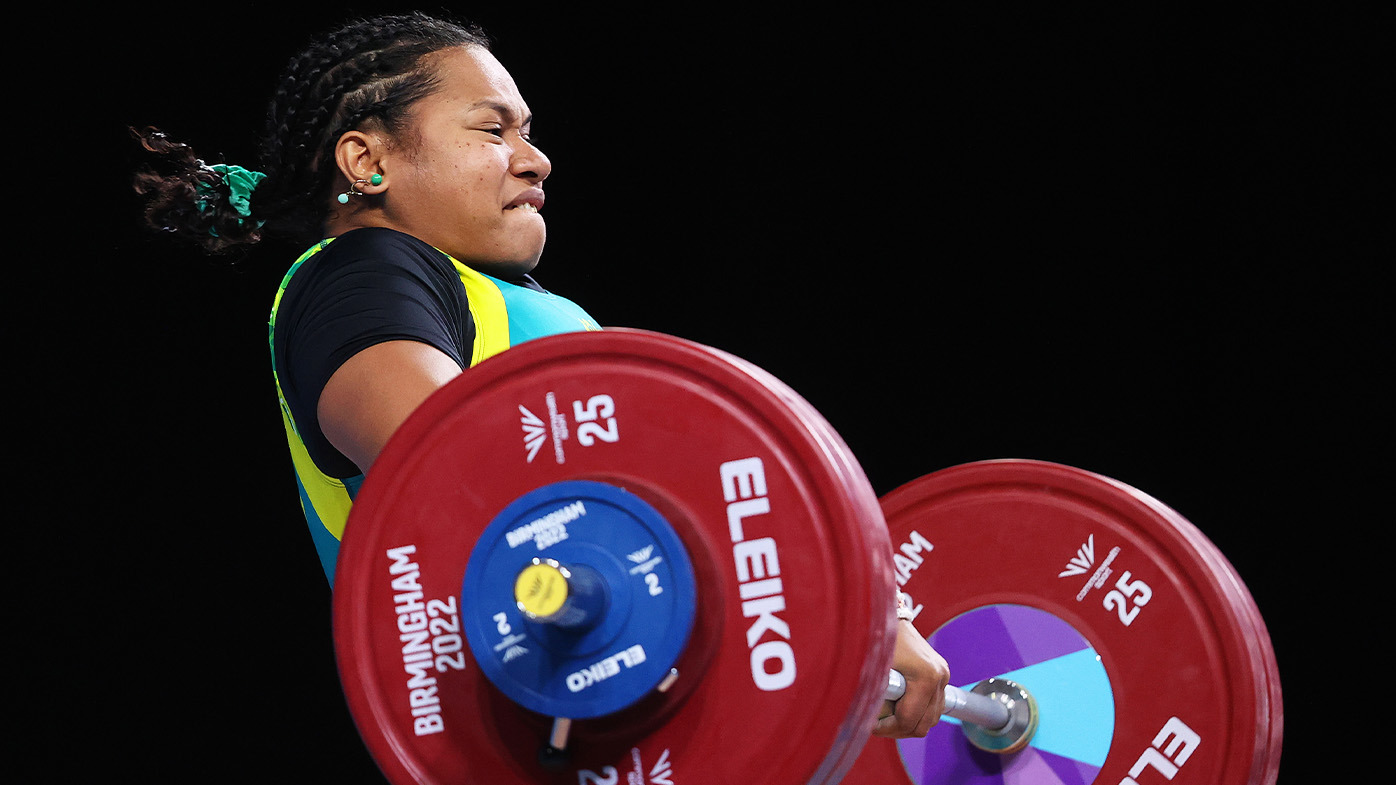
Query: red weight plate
{"points": [[1270, 706], [1191, 692], [874, 529], [674, 414]]}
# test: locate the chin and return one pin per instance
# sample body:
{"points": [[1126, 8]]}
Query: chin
{"points": [[503, 268], [517, 255]]}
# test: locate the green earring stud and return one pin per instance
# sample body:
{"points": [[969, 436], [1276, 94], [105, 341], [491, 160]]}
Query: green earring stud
{"points": [[343, 198]]}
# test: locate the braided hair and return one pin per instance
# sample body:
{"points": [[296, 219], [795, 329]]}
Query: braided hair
{"points": [[366, 71]]}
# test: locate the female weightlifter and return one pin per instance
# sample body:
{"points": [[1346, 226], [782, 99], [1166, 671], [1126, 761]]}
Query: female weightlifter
{"points": [[397, 150]]}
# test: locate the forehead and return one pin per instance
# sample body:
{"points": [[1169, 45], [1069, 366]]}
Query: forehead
{"points": [[471, 75]]}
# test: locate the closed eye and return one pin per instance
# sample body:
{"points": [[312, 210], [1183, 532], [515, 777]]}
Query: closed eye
{"points": [[498, 133], [503, 118]]}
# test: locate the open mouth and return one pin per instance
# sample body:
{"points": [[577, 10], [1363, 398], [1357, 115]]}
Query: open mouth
{"points": [[526, 207]]}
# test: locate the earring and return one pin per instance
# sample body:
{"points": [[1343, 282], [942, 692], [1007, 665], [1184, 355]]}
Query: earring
{"points": [[343, 198]]}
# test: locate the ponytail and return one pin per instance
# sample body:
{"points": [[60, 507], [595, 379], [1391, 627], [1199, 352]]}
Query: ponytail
{"points": [[210, 206]]}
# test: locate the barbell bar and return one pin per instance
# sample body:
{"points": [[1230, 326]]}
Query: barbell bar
{"points": [[1000, 714]]}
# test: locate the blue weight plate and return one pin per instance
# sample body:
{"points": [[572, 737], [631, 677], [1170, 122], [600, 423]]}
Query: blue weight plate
{"points": [[640, 627]]}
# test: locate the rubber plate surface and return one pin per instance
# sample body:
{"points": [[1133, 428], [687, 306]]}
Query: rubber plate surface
{"points": [[1033, 571], [660, 418]]}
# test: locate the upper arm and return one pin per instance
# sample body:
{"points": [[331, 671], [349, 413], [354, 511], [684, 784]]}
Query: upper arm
{"points": [[374, 391]]}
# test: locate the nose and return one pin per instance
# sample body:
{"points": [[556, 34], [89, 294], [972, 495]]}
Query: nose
{"points": [[529, 163]]}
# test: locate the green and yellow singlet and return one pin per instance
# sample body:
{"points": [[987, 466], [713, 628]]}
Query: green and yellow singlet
{"points": [[374, 285]]}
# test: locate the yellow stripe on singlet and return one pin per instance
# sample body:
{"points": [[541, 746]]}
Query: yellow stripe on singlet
{"points": [[488, 310]]}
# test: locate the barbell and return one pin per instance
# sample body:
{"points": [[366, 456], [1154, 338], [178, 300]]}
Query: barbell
{"points": [[627, 557]]}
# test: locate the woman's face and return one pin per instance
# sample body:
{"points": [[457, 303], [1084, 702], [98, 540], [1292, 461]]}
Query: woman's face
{"points": [[464, 176]]}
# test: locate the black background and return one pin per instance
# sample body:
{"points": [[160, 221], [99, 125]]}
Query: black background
{"points": [[1141, 242]]}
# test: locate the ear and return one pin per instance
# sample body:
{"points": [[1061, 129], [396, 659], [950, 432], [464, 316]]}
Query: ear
{"points": [[359, 156]]}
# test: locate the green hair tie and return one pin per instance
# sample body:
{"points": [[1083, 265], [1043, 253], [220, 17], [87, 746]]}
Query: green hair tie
{"points": [[240, 182]]}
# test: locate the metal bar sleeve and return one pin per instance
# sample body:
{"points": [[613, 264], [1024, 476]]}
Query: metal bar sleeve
{"points": [[965, 706]]}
